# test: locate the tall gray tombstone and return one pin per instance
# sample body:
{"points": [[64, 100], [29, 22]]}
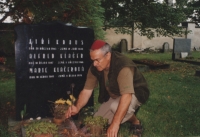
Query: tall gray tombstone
{"points": [[49, 58], [181, 45]]}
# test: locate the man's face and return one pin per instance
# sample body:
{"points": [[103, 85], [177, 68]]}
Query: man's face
{"points": [[100, 60]]}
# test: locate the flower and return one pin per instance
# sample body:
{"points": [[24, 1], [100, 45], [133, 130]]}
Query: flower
{"points": [[72, 98], [60, 101], [69, 102]]}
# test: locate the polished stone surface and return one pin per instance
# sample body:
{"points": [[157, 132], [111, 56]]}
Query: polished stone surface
{"points": [[49, 58]]}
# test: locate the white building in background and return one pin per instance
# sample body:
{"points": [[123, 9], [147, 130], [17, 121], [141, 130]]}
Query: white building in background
{"points": [[142, 42]]}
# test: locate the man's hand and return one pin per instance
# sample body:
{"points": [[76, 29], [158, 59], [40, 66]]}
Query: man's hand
{"points": [[119, 115], [113, 130], [81, 102], [72, 110]]}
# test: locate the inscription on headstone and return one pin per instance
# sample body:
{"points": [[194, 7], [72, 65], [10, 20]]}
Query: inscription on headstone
{"points": [[181, 45], [49, 58]]}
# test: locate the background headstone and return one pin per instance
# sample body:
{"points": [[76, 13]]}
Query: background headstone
{"points": [[181, 45], [49, 58], [123, 46], [166, 47]]}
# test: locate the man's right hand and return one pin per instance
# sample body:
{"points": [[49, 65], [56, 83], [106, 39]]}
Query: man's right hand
{"points": [[81, 102], [72, 110]]}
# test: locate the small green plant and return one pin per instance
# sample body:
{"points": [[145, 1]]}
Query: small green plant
{"points": [[96, 125], [87, 111], [97, 120], [41, 127], [23, 112]]}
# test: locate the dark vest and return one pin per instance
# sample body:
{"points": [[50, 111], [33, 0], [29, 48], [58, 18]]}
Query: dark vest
{"points": [[119, 61]]}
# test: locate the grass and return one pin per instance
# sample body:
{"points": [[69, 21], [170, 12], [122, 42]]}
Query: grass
{"points": [[172, 109], [5, 133]]}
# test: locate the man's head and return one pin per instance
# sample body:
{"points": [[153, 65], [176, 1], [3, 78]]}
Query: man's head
{"points": [[100, 54]]}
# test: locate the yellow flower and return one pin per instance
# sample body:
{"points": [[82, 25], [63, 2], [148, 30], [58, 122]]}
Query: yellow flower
{"points": [[72, 98], [69, 102], [60, 101]]}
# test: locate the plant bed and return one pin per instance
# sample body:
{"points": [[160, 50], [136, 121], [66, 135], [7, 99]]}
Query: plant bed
{"points": [[152, 64], [191, 61], [39, 128], [68, 128]]}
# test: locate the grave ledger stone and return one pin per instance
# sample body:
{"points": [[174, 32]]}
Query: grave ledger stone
{"points": [[49, 58]]}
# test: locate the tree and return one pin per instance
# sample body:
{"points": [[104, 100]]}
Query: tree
{"points": [[194, 13], [148, 16], [87, 13]]}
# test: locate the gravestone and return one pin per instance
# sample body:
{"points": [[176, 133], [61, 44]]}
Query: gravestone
{"points": [[165, 47], [50, 57], [123, 46], [181, 45]]}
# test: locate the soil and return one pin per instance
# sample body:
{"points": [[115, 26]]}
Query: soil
{"points": [[191, 61], [152, 64]]}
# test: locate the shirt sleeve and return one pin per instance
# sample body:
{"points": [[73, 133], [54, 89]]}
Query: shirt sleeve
{"points": [[125, 80], [91, 81]]}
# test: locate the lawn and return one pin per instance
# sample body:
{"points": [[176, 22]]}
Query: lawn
{"points": [[172, 109]]}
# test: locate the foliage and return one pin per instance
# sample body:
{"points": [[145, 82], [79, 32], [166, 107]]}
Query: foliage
{"points": [[7, 42], [116, 47], [146, 17], [87, 111], [5, 133], [97, 121], [23, 112], [7, 96], [87, 13], [194, 13], [41, 127], [96, 124]]}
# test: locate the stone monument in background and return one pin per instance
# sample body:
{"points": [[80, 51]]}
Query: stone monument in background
{"points": [[49, 58], [181, 46]]}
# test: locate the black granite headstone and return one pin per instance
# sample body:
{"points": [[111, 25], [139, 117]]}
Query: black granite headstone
{"points": [[181, 45], [49, 58]]}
